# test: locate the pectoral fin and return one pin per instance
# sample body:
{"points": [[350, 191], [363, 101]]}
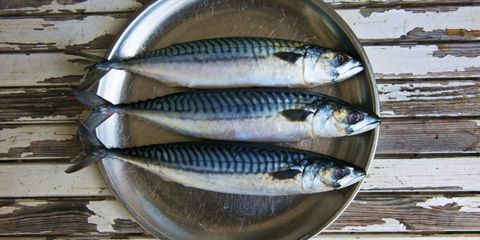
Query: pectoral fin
{"points": [[290, 57], [285, 174], [296, 115]]}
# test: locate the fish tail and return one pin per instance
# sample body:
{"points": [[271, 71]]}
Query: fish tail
{"points": [[94, 150], [96, 70], [88, 98]]}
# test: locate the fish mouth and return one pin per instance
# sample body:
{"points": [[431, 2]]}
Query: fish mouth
{"points": [[346, 73]]}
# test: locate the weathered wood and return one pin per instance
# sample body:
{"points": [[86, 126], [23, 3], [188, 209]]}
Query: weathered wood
{"points": [[322, 236], [429, 98], [38, 142], [386, 175], [388, 62], [402, 136], [39, 105], [368, 213], [398, 99], [392, 25], [98, 6]]}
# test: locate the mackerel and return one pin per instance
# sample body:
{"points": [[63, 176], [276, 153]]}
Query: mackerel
{"points": [[258, 115], [237, 62], [238, 168]]}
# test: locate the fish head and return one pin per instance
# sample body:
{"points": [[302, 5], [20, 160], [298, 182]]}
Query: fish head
{"points": [[338, 120], [327, 66], [330, 175]]}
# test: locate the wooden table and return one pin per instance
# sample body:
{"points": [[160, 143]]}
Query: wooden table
{"points": [[424, 181]]}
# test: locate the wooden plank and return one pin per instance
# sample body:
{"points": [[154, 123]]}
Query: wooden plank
{"points": [[98, 6], [59, 32], [431, 98], [386, 175], [414, 24], [322, 236], [398, 99], [423, 136], [36, 105], [36, 142], [402, 136], [388, 62], [368, 213], [392, 25]]}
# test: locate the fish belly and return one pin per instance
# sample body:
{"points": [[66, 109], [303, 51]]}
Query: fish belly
{"points": [[274, 128], [244, 72]]}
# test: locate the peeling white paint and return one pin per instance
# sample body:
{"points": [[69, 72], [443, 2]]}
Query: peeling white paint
{"points": [[23, 136], [387, 113], [416, 60], [388, 225], [477, 122], [421, 91], [31, 203], [59, 33], [8, 209], [84, 6], [466, 204], [105, 214], [26, 154], [396, 23]]}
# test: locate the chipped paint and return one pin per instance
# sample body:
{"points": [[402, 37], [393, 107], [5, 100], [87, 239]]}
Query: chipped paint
{"points": [[8, 209], [388, 225], [22, 137], [477, 122], [32, 203], [466, 204], [105, 214], [26, 154], [387, 113], [61, 6], [396, 23], [422, 91], [418, 61], [59, 33]]}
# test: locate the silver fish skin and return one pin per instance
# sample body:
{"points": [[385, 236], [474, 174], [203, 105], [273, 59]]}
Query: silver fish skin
{"points": [[256, 115], [240, 62], [237, 168]]}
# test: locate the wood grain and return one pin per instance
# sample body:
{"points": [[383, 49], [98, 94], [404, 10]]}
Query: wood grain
{"points": [[368, 213], [46, 7], [454, 174], [397, 99], [401, 136], [388, 62], [83, 32]]}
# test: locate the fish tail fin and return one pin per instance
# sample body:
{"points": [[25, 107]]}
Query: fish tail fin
{"points": [[88, 98], [94, 150], [98, 67]]}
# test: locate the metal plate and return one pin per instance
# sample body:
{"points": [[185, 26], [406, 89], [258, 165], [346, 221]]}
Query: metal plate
{"points": [[173, 211]]}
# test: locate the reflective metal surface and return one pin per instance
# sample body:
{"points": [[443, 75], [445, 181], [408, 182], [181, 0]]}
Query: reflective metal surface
{"points": [[173, 211]]}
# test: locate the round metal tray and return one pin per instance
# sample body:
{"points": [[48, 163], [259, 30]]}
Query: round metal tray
{"points": [[169, 210]]}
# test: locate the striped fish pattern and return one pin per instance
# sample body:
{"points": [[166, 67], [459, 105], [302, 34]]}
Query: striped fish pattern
{"points": [[237, 62], [237, 168], [220, 158]]}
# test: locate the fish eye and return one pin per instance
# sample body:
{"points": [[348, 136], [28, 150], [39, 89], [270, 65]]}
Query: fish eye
{"points": [[341, 59], [354, 117], [339, 173]]}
